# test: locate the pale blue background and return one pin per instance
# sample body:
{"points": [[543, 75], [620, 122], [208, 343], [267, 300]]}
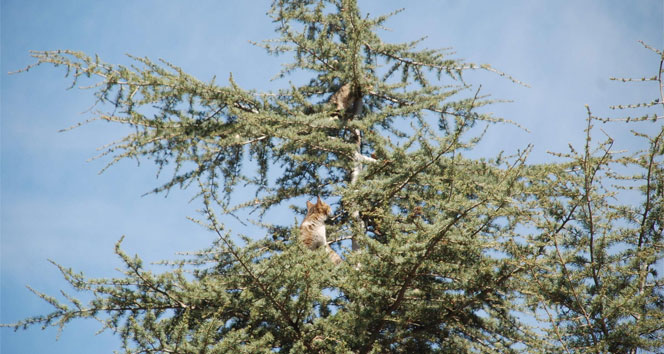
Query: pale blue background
{"points": [[56, 206]]}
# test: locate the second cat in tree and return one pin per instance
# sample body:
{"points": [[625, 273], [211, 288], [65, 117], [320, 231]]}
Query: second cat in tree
{"points": [[312, 230]]}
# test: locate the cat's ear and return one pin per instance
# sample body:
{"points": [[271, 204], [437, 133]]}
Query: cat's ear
{"points": [[318, 201], [309, 205]]}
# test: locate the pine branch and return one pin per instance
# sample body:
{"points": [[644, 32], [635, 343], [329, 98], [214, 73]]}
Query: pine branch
{"points": [[255, 279]]}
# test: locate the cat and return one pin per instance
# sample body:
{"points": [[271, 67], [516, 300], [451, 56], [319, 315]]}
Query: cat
{"points": [[312, 230], [342, 99]]}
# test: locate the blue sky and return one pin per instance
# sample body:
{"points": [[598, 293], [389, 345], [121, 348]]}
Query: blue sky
{"points": [[56, 206]]}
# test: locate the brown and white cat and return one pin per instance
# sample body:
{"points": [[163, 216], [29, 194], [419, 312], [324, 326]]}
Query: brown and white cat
{"points": [[312, 230]]}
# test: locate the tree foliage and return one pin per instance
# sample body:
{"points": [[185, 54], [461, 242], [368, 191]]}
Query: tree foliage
{"points": [[448, 253]]}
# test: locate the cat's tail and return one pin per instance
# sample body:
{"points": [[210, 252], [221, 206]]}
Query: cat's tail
{"points": [[334, 256]]}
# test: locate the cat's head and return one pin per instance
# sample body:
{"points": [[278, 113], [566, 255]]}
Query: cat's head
{"points": [[320, 207]]}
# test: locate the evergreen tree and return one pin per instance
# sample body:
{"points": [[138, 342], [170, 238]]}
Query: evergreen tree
{"points": [[595, 278], [442, 252]]}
